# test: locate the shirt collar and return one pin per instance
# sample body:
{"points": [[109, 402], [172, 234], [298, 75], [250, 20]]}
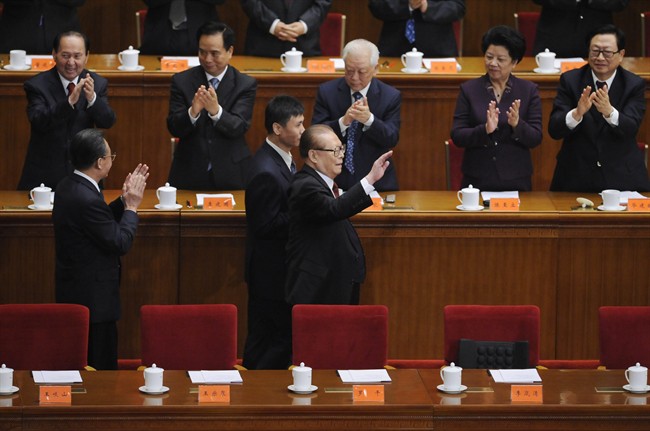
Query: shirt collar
{"points": [[608, 81], [65, 82], [219, 76], [81, 174], [287, 157], [363, 91], [328, 180]]}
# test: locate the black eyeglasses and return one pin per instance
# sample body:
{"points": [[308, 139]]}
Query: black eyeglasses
{"points": [[337, 151], [594, 53], [112, 156]]}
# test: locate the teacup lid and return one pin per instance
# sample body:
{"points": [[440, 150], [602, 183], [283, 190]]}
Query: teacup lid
{"points": [[131, 50], [302, 367], [293, 51], [414, 53], [453, 368], [637, 367], [469, 189], [4, 368], [546, 53], [167, 188], [42, 188], [155, 369]]}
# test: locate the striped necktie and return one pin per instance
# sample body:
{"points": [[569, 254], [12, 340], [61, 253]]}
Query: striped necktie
{"points": [[352, 139]]}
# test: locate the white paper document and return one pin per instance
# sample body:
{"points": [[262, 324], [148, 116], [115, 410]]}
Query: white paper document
{"points": [[627, 195], [215, 377], [201, 196], [489, 195], [56, 377], [191, 61], [338, 63], [529, 375], [364, 376]]}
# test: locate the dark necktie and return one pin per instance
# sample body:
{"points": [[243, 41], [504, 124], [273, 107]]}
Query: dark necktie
{"points": [[335, 190], [293, 168], [409, 31], [600, 84], [352, 138], [71, 87]]}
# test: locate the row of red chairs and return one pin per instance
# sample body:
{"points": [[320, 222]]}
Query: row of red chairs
{"points": [[55, 336]]}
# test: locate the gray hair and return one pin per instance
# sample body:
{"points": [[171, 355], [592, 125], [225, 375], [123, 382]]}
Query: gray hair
{"points": [[362, 46]]}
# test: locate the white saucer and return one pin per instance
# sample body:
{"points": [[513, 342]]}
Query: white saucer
{"points": [[422, 70], [35, 208], [441, 388], [538, 70], [12, 67], [161, 391], [13, 390], [462, 208], [130, 69], [301, 70], [618, 208], [175, 207], [312, 388], [629, 389]]}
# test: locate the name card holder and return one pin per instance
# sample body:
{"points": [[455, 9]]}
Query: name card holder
{"points": [[638, 205], [526, 393], [58, 395], [214, 394], [42, 63], [504, 204], [368, 393], [320, 66], [376, 205], [565, 66], [173, 65], [443, 67], [217, 204]]}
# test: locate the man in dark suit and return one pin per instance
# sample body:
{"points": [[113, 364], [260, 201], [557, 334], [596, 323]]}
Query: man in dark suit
{"points": [[61, 102], [598, 111], [422, 24], [363, 112], [212, 153], [171, 25], [326, 264], [268, 345], [90, 236], [564, 24], [275, 26]]}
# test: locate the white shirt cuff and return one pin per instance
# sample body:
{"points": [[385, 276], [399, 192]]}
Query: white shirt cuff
{"points": [[304, 24], [571, 122], [92, 102], [275, 23], [613, 118], [366, 186], [192, 119], [217, 116]]}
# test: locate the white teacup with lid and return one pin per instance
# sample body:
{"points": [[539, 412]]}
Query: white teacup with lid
{"points": [[546, 60], [637, 377], [153, 379], [292, 60], [17, 58], [301, 377], [468, 197], [412, 60], [129, 58], [41, 196], [451, 378], [6, 379], [166, 196]]}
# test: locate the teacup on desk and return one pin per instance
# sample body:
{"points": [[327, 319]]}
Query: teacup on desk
{"points": [[41, 196], [637, 377], [468, 197], [611, 199], [292, 60], [301, 377], [17, 58], [412, 60], [451, 377], [546, 60], [6, 379], [129, 58], [166, 196], [153, 379]]}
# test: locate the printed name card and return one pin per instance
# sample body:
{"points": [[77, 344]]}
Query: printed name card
{"points": [[217, 204], [55, 395], [565, 66], [42, 63], [365, 393], [638, 205], [320, 66], [504, 204], [443, 67], [376, 205], [214, 394], [526, 393], [173, 65]]}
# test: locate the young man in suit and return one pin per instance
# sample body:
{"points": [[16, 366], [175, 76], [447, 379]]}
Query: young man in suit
{"points": [[598, 111], [268, 345], [210, 110], [326, 264], [61, 102], [90, 236], [363, 112]]}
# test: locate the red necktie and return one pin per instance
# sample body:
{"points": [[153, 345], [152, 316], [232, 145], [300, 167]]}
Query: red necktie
{"points": [[71, 87], [335, 190]]}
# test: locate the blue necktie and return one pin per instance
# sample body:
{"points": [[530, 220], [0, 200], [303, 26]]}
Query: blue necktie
{"points": [[293, 168], [214, 82], [352, 137], [409, 32]]}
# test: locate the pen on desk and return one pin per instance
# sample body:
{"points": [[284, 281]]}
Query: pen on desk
{"points": [[188, 204]]}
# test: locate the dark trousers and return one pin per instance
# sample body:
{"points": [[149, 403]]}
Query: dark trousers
{"points": [[102, 346], [268, 344]]}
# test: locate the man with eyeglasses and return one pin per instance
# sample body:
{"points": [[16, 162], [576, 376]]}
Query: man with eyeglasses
{"points": [[90, 236], [326, 263], [61, 102], [597, 112], [210, 110], [363, 112]]}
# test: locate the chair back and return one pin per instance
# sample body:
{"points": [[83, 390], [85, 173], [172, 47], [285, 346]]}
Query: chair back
{"points": [[491, 323], [624, 336], [44, 336], [458, 34], [526, 24], [340, 336], [453, 163], [140, 17], [645, 34], [332, 35], [189, 337]]}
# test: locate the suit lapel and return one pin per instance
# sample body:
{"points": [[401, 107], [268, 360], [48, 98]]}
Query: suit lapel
{"points": [[311, 171], [278, 160], [224, 91], [344, 99]]}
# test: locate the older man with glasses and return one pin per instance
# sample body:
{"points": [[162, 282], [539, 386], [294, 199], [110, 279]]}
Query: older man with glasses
{"points": [[598, 111]]}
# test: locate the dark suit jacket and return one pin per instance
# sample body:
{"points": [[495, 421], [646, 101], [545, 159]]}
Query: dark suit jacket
{"points": [[54, 122], [267, 224], [324, 253], [564, 24], [434, 33], [385, 102], [32, 24], [500, 161], [222, 143], [90, 237], [596, 156], [160, 39], [261, 13]]}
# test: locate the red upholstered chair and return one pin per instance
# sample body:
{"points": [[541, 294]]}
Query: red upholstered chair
{"points": [[189, 337], [645, 34], [340, 336], [332, 34], [491, 323], [453, 163], [44, 336], [624, 336], [526, 23], [140, 17]]}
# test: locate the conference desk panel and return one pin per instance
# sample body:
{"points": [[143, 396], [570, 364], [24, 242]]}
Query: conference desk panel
{"points": [[141, 101]]}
